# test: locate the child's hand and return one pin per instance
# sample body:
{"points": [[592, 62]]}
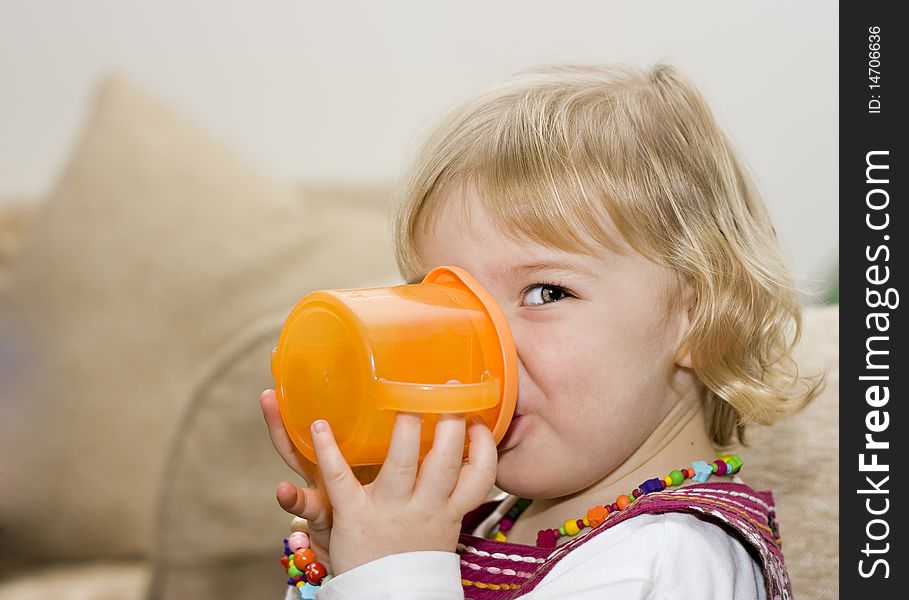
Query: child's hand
{"points": [[403, 511], [311, 503]]}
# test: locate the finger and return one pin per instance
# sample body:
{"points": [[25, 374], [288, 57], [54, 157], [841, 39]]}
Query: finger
{"points": [[399, 471], [479, 474], [268, 400], [308, 503], [442, 466], [342, 488]]}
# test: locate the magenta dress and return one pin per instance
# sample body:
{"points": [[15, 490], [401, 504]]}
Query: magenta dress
{"points": [[492, 570]]}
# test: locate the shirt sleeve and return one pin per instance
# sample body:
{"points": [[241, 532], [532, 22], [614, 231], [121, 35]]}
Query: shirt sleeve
{"points": [[672, 556], [428, 575]]}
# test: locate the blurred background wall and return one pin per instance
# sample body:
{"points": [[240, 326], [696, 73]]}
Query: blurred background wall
{"points": [[323, 92]]}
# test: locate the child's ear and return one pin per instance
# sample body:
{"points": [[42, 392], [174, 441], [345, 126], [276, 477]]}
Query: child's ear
{"points": [[689, 306]]}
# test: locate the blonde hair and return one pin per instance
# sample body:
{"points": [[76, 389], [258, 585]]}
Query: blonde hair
{"points": [[556, 149]]}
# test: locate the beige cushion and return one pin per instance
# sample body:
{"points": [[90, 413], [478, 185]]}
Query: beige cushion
{"points": [[798, 460], [157, 250]]}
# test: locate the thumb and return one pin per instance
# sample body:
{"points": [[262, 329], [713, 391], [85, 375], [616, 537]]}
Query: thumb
{"points": [[308, 503]]}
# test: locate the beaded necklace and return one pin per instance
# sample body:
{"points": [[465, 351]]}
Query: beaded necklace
{"points": [[304, 572], [699, 471]]}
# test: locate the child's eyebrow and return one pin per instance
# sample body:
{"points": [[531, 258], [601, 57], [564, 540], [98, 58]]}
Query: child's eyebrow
{"points": [[559, 267]]}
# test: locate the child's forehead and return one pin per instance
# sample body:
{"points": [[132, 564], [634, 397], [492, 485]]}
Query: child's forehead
{"points": [[466, 218], [506, 255]]}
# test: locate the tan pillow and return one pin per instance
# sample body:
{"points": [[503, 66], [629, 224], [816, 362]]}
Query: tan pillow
{"points": [[798, 460], [156, 250]]}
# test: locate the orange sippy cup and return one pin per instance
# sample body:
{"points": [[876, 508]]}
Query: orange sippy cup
{"points": [[356, 357]]}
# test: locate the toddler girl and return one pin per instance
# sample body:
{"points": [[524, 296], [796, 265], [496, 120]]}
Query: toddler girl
{"points": [[653, 318]]}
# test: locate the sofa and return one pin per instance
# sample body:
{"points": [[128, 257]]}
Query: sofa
{"points": [[139, 303]]}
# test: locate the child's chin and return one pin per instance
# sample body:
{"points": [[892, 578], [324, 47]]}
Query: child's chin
{"points": [[520, 474], [524, 474]]}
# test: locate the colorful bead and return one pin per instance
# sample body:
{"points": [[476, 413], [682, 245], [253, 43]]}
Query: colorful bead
{"points": [[597, 515], [733, 462], [720, 467], [613, 507], [547, 538], [570, 527], [676, 477], [667, 480], [622, 501], [500, 537], [702, 471], [303, 557], [297, 540], [636, 493], [650, 486], [314, 572], [285, 562], [308, 591], [294, 572]]}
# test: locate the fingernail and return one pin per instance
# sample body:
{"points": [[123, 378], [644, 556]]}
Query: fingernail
{"points": [[475, 420], [319, 426]]}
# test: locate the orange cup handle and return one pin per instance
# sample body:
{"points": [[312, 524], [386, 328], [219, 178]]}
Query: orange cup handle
{"points": [[439, 398]]}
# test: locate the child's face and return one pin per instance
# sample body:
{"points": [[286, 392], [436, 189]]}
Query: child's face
{"points": [[595, 365]]}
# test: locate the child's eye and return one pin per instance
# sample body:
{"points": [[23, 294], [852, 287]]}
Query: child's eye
{"points": [[544, 293]]}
